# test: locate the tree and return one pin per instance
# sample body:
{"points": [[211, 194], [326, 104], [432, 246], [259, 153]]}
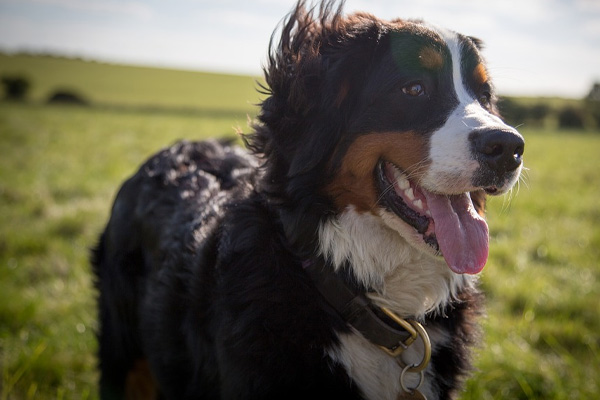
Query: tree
{"points": [[571, 117], [15, 87], [594, 94]]}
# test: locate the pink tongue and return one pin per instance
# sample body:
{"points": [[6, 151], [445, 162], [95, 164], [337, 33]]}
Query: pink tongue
{"points": [[461, 233]]}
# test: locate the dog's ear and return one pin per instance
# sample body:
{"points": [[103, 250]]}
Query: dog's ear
{"points": [[315, 72], [345, 57], [320, 55], [295, 61]]}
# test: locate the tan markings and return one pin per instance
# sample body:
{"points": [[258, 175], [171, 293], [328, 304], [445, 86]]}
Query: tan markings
{"points": [[354, 182], [478, 199], [431, 58], [140, 384], [480, 74]]}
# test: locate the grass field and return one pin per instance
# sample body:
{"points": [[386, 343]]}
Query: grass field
{"points": [[61, 166], [131, 86]]}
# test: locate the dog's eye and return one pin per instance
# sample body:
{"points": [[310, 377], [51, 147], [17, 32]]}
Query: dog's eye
{"points": [[485, 98], [414, 89]]}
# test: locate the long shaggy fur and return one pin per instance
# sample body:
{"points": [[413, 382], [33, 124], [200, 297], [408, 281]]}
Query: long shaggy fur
{"points": [[200, 270]]}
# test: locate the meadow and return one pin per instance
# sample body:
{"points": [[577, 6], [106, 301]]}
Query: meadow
{"points": [[60, 167], [133, 87]]}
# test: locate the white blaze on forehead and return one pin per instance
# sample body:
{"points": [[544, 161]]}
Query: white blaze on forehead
{"points": [[455, 47]]}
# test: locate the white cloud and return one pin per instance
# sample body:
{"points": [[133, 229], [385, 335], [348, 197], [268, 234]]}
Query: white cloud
{"points": [[533, 46], [588, 5], [591, 29]]}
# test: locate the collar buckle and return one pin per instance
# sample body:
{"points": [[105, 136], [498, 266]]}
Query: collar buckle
{"points": [[416, 330], [407, 326]]}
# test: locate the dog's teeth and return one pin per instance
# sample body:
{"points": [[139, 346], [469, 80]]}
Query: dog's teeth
{"points": [[401, 180], [428, 213], [410, 194], [403, 183], [418, 204]]}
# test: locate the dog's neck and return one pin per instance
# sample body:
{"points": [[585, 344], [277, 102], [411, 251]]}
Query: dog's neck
{"points": [[399, 276]]}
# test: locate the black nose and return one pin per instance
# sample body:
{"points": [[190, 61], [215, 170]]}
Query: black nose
{"points": [[500, 150]]}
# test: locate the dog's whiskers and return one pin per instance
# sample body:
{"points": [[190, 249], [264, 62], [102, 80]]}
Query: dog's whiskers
{"points": [[524, 177]]}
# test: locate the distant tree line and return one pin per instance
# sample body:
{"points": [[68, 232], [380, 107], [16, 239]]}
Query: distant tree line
{"points": [[583, 114]]}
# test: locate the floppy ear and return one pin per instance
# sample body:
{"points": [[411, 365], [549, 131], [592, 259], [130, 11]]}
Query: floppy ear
{"points": [[315, 73], [348, 54], [345, 54]]}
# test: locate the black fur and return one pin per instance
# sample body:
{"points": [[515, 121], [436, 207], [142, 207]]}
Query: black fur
{"points": [[200, 266], [226, 308]]}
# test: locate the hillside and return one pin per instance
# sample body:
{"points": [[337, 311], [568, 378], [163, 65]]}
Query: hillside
{"points": [[212, 94], [119, 85]]}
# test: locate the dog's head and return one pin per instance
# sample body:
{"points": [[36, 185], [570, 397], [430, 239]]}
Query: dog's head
{"points": [[396, 119]]}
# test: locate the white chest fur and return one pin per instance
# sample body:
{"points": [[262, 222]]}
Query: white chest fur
{"points": [[403, 279]]}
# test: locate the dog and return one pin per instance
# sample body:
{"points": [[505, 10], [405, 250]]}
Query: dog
{"points": [[336, 257]]}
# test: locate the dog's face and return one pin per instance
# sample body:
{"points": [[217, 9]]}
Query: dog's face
{"points": [[423, 136], [412, 135]]}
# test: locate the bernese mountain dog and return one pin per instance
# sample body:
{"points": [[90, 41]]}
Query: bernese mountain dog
{"points": [[337, 256]]}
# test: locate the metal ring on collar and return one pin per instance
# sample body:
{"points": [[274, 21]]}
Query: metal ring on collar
{"points": [[421, 379], [426, 349]]}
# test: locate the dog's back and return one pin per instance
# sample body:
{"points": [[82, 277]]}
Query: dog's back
{"points": [[165, 216], [200, 296]]}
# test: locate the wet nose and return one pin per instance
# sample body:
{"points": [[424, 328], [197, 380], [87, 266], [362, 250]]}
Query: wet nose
{"points": [[500, 150]]}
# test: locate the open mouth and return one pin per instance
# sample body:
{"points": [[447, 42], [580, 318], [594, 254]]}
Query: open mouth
{"points": [[448, 224]]}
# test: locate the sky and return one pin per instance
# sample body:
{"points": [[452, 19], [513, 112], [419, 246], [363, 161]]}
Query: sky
{"points": [[533, 47]]}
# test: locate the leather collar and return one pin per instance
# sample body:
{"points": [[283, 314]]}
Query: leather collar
{"points": [[377, 324]]}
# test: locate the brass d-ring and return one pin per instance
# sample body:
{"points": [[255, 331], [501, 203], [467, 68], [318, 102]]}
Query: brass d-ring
{"points": [[426, 348]]}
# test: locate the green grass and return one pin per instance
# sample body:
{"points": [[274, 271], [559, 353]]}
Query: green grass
{"points": [[61, 166], [543, 278]]}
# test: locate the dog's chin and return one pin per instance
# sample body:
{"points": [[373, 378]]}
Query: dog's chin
{"points": [[441, 225]]}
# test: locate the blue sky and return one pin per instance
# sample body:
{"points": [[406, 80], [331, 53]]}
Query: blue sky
{"points": [[533, 47]]}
